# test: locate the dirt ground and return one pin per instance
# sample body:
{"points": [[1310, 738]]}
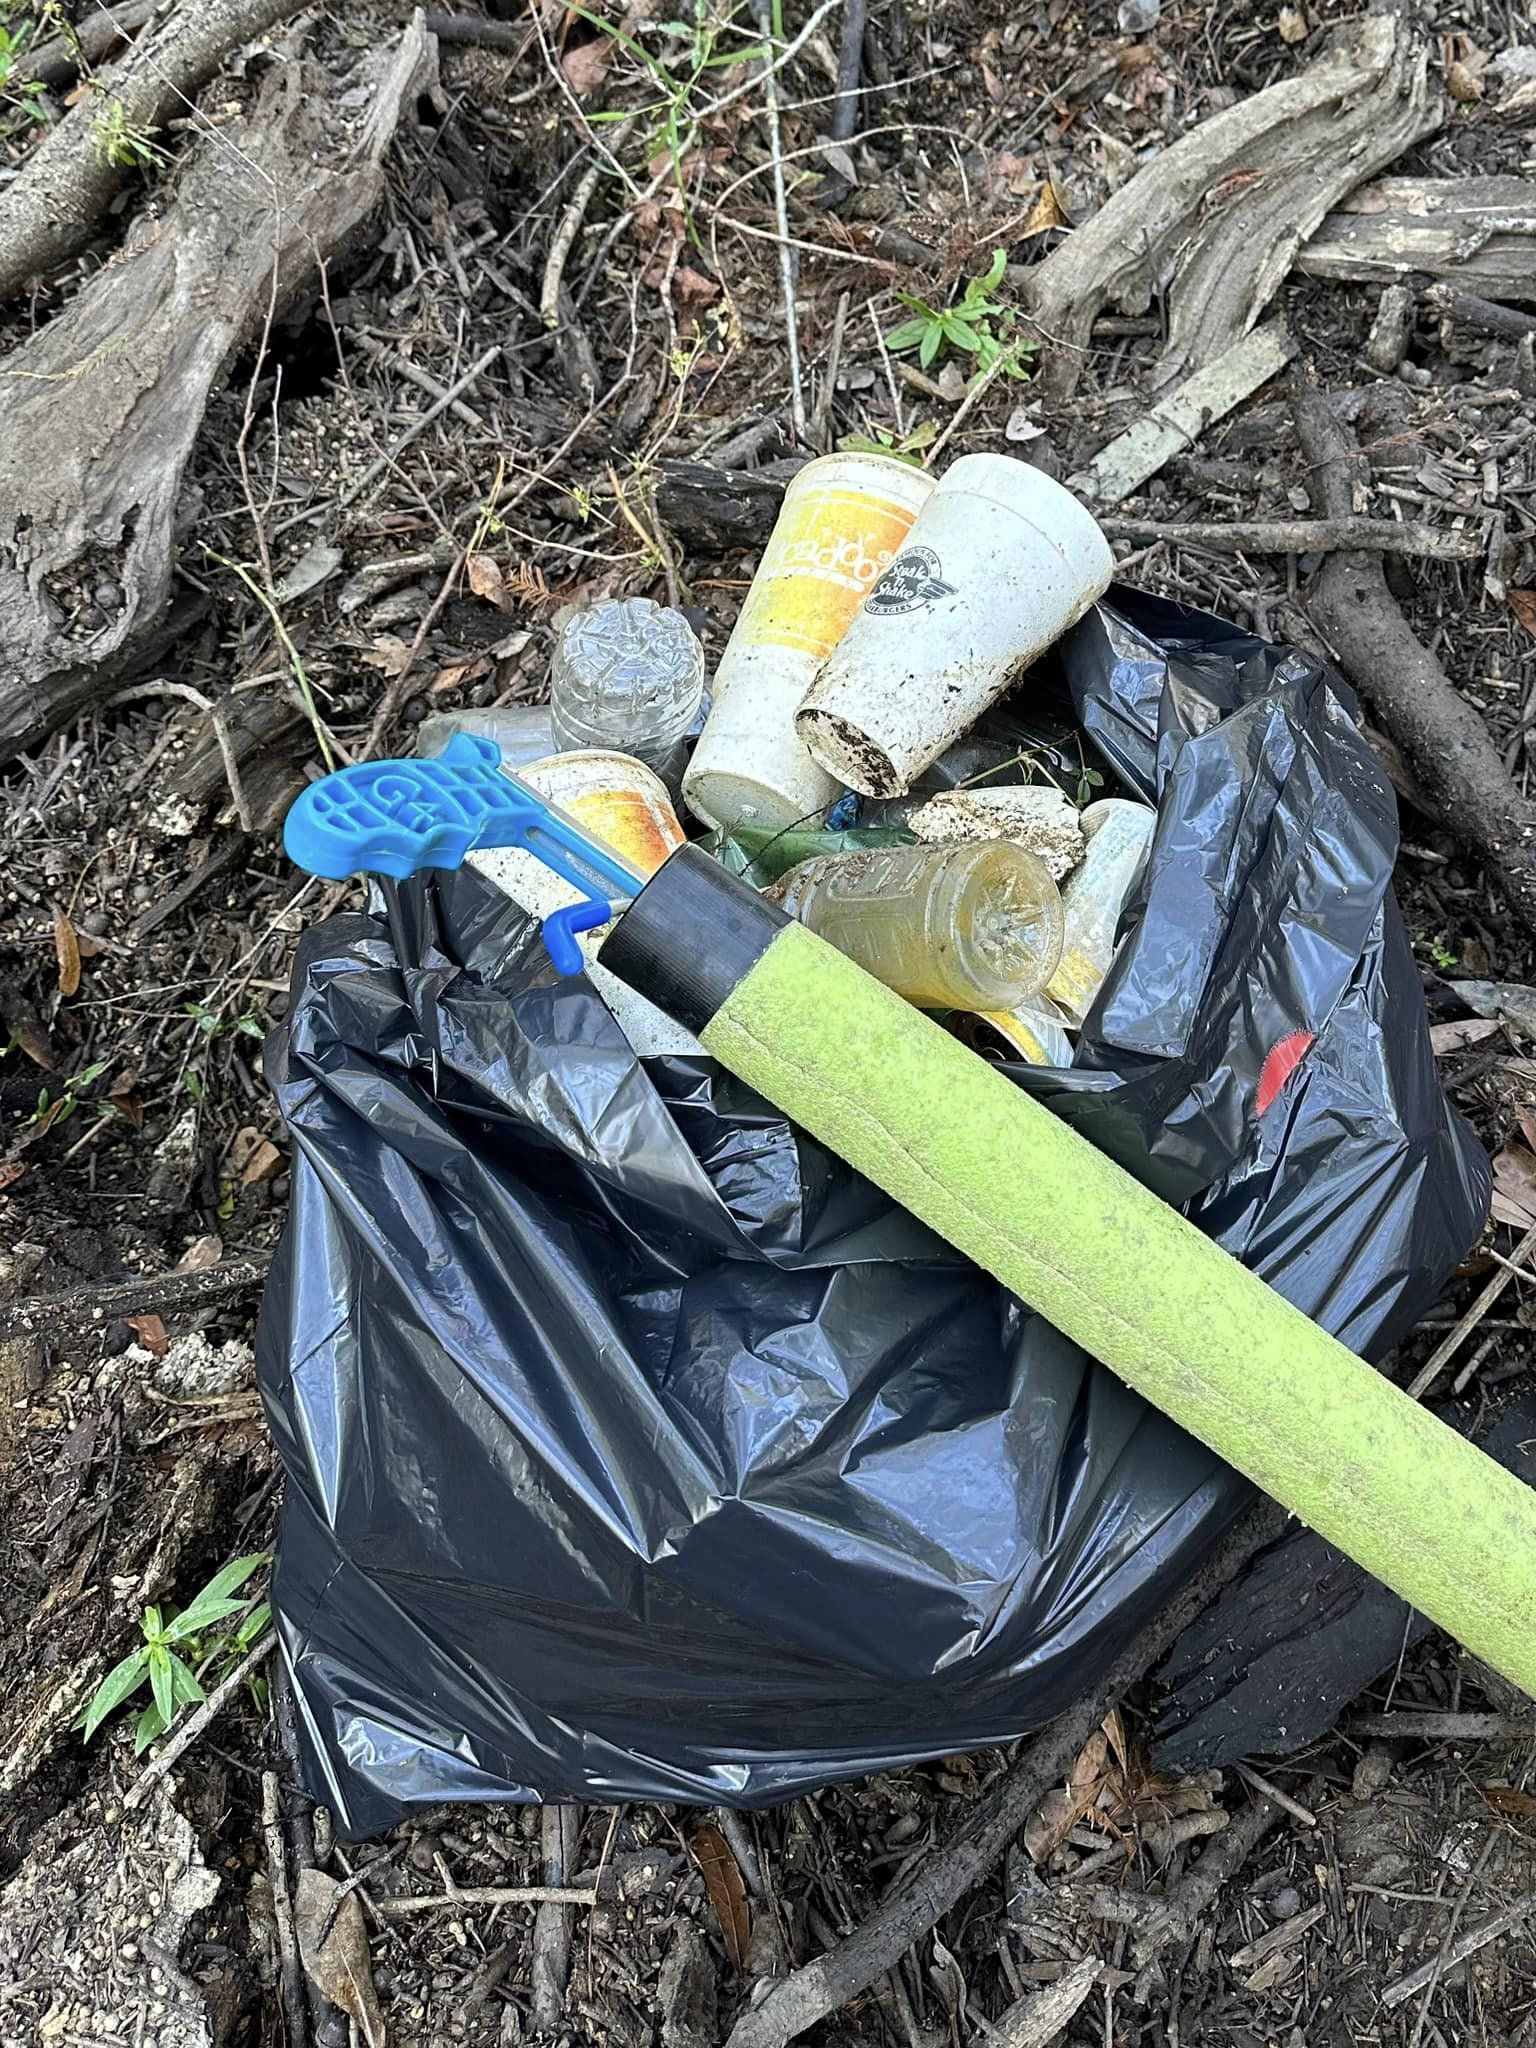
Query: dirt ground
{"points": [[145, 939]]}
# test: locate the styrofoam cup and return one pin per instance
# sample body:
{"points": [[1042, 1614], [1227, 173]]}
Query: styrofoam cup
{"points": [[1000, 561], [843, 519]]}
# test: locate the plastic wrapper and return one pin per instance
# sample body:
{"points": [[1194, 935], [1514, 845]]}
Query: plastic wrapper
{"points": [[636, 1448]]}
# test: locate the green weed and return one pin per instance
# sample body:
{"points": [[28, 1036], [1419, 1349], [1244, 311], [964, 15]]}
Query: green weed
{"points": [[176, 1655], [977, 325]]}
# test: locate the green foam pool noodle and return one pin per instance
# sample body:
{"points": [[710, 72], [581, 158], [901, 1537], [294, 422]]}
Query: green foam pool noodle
{"points": [[1128, 1278]]}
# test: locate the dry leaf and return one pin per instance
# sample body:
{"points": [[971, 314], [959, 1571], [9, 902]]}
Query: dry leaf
{"points": [[1523, 604], [264, 1161], [690, 284], [1047, 211], [1465, 1031], [125, 1101], [11, 1171], [1113, 1727], [388, 652], [1040, 2017], [997, 92], [151, 1334], [1051, 1822], [457, 675], [1017, 173], [333, 1946], [1505, 1799], [1514, 1187], [67, 946], [727, 1891], [1462, 82], [485, 578], [586, 65], [1527, 1123], [1092, 1763], [1292, 24], [200, 1254]]}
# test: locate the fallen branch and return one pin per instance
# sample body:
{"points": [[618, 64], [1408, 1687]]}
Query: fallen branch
{"points": [[1304, 536], [1406, 1726], [1503, 1922], [1459, 1332], [290, 1970], [551, 1965], [161, 1293], [918, 1901], [485, 1895], [67, 184], [1475, 231], [93, 38], [1215, 220], [1182, 416], [1446, 742], [475, 29], [1467, 309]]}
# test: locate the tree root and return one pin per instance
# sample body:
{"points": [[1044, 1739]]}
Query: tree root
{"points": [[1445, 741]]}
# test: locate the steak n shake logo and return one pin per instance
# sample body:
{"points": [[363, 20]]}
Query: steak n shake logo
{"points": [[911, 582]]}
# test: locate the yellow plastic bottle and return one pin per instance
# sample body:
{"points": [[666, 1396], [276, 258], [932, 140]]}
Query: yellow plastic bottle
{"points": [[967, 927]]}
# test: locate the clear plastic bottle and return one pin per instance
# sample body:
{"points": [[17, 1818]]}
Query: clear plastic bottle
{"points": [[523, 732], [970, 927], [627, 676], [1119, 833]]}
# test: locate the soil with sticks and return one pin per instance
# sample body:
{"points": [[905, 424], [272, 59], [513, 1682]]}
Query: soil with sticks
{"points": [[510, 381]]}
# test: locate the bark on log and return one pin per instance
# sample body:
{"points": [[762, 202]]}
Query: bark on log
{"points": [[67, 183], [1478, 232], [715, 509], [1217, 218], [99, 410]]}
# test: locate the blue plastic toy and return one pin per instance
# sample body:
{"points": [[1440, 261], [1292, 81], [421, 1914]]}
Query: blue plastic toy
{"points": [[395, 817]]}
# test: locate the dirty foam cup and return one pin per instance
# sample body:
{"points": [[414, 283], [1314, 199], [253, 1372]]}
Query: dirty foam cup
{"points": [[1000, 561], [843, 520]]}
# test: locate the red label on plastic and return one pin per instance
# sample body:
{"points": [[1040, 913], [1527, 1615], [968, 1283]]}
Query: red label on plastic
{"points": [[1282, 1062]]}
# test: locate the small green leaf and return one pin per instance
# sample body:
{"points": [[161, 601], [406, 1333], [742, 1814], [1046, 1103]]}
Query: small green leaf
{"points": [[994, 270], [932, 336], [907, 335], [152, 1625], [160, 1682], [249, 1027], [185, 1687], [963, 335], [202, 1614], [259, 1620], [151, 1723], [214, 1602], [114, 1689]]}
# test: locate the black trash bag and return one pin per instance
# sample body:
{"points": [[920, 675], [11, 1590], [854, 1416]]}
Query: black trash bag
{"points": [[637, 1448]]}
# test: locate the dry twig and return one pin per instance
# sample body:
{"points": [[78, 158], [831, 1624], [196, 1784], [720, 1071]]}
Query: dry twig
{"points": [[192, 1729], [933, 1885], [290, 1970], [164, 1293]]}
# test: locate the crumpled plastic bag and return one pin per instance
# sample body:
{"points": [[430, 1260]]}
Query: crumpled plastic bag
{"points": [[637, 1448]]}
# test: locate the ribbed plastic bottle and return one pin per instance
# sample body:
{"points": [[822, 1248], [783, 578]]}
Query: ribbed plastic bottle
{"points": [[969, 927], [627, 676]]}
